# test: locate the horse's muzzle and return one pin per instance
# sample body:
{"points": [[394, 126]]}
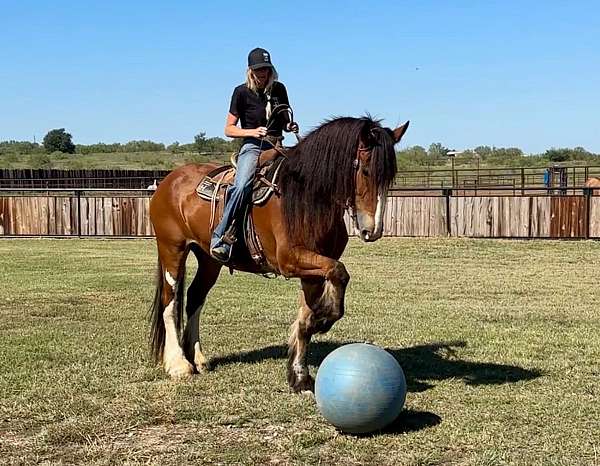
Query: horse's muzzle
{"points": [[367, 229]]}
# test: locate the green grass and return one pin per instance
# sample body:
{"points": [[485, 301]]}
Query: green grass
{"points": [[499, 340], [162, 160]]}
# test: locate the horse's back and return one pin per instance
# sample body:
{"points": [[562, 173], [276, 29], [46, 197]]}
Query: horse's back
{"points": [[175, 200], [190, 173]]}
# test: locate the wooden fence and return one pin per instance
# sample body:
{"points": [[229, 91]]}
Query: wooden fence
{"points": [[76, 215], [493, 217], [125, 214]]}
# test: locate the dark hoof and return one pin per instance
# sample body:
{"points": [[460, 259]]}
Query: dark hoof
{"points": [[304, 385]]}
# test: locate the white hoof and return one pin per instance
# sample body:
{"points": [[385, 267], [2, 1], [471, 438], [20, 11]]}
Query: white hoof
{"points": [[202, 364], [179, 369]]}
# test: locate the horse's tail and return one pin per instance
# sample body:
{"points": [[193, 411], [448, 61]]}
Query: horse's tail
{"points": [[157, 329]]}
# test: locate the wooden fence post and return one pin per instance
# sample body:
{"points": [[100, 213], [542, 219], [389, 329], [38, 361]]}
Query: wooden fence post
{"points": [[587, 192], [522, 181], [447, 192], [78, 197]]}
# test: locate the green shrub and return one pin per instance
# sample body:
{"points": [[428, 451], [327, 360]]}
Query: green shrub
{"points": [[11, 157], [40, 161], [78, 164], [58, 155]]}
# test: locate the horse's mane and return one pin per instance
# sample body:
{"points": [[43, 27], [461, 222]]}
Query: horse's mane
{"points": [[318, 178]]}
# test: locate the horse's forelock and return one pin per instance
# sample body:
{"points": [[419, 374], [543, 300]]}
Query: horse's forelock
{"points": [[383, 157]]}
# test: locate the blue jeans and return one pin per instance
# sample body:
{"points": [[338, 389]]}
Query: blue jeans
{"points": [[239, 192]]}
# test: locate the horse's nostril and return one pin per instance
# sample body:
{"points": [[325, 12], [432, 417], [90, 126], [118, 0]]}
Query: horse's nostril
{"points": [[364, 233]]}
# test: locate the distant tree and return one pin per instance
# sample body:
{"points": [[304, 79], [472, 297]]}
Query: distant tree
{"points": [[437, 151], [200, 142], [174, 148], [558, 155], [504, 153], [579, 153], [483, 151], [142, 146], [59, 140], [19, 147], [99, 148], [415, 155]]}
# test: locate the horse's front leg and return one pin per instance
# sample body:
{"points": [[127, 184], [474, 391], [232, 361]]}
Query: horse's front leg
{"points": [[324, 282]]}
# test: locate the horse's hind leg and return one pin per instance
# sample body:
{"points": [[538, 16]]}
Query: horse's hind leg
{"points": [[206, 276], [172, 260]]}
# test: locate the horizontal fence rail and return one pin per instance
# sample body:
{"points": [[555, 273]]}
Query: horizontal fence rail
{"points": [[486, 179], [474, 180], [86, 179], [425, 212]]}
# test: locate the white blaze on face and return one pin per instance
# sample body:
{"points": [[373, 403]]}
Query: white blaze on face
{"points": [[381, 201]]}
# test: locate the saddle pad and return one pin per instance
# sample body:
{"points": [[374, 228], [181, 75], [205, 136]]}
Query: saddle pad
{"points": [[264, 182], [207, 186]]}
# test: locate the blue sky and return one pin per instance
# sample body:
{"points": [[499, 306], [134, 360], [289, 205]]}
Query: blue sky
{"points": [[465, 73]]}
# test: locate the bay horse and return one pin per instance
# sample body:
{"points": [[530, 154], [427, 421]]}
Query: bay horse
{"points": [[346, 163]]}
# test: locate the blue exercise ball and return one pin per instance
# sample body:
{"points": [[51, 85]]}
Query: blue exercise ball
{"points": [[360, 388]]}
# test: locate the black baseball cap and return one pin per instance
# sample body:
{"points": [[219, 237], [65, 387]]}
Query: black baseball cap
{"points": [[259, 58]]}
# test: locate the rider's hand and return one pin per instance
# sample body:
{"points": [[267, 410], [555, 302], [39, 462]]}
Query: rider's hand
{"points": [[293, 127], [259, 132]]}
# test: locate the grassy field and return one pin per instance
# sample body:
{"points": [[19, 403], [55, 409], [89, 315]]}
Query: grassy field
{"points": [[160, 160], [499, 341]]}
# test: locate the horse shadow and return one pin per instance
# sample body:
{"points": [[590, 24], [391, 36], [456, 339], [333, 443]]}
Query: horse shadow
{"points": [[422, 365]]}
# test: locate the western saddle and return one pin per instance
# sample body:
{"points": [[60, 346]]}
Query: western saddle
{"points": [[213, 188]]}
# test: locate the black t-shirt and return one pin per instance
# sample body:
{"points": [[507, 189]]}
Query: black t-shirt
{"points": [[251, 107]]}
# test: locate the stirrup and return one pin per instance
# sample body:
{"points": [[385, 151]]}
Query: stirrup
{"points": [[220, 255]]}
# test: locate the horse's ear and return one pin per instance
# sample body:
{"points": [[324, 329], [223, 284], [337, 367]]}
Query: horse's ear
{"points": [[399, 132]]}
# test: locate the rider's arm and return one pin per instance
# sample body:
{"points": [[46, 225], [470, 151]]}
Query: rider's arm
{"points": [[234, 131], [289, 125]]}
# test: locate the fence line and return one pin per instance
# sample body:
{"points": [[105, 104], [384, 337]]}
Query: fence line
{"points": [[89, 178], [126, 213], [473, 179]]}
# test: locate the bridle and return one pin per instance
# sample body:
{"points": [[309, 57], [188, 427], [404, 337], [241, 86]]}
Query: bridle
{"points": [[279, 109], [361, 149], [350, 204]]}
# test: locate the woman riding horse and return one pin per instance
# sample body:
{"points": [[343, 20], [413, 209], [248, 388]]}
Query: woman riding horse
{"points": [[251, 104], [346, 164]]}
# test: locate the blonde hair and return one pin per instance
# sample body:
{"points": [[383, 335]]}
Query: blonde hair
{"points": [[253, 84]]}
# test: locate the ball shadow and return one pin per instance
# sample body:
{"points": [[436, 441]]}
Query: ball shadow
{"points": [[407, 421]]}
